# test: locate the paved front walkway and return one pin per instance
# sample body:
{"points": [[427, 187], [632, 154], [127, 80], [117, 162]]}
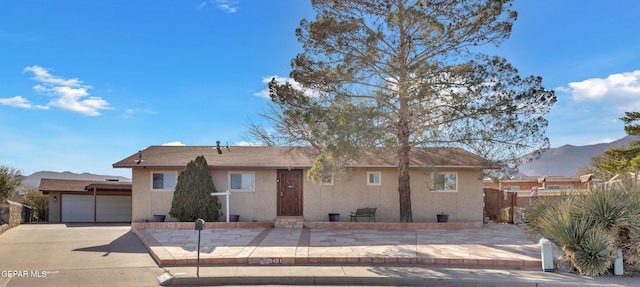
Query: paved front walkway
{"points": [[494, 246]]}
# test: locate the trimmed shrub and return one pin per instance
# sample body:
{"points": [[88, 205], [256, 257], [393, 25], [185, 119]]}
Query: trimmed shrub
{"points": [[192, 197]]}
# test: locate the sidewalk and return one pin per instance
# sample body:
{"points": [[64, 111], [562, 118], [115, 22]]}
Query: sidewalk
{"points": [[380, 276]]}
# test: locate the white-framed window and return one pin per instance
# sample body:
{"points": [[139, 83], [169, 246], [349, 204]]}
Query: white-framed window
{"points": [[242, 181], [445, 181], [164, 181], [511, 187], [374, 178], [327, 180]]}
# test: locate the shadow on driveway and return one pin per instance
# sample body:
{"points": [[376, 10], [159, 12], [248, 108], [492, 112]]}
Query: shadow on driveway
{"points": [[127, 243]]}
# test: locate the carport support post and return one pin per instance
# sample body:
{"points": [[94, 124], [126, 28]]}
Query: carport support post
{"points": [[95, 206], [227, 193]]}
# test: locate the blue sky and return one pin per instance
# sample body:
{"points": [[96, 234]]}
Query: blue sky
{"points": [[84, 84]]}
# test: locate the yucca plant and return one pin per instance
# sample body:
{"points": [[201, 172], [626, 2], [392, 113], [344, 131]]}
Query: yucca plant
{"points": [[595, 255], [562, 223], [607, 207], [590, 226], [538, 210]]}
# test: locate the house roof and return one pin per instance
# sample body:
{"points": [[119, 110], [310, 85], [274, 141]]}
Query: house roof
{"points": [[292, 157], [547, 179], [70, 185]]}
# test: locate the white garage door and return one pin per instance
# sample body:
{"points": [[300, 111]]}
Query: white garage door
{"points": [[113, 208], [109, 208], [77, 208]]}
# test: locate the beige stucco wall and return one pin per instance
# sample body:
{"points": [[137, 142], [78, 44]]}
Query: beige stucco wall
{"points": [[352, 193], [144, 202], [343, 197], [259, 205], [54, 207]]}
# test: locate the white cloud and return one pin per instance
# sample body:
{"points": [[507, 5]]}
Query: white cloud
{"points": [[621, 90], [69, 94], [264, 93], [176, 143], [228, 6], [43, 76], [20, 102], [16, 101], [128, 113]]}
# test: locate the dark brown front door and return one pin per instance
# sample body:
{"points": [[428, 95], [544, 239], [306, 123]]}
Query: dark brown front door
{"points": [[289, 192]]}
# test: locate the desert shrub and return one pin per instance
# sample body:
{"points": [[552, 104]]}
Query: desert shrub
{"points": [[595, 254], [630, 244], [590, 226], [539, 208], [35, 198], [607, 207]]}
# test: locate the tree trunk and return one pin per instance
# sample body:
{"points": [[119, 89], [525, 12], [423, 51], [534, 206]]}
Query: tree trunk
{"points": [[404, 184], [404, 180], [404, 130]]}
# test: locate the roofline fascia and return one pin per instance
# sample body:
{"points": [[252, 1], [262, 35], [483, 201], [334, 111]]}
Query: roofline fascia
{"points": [[302, 166]]}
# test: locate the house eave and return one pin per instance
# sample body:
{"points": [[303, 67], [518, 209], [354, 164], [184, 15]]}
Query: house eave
{"points": [[298, 166]]}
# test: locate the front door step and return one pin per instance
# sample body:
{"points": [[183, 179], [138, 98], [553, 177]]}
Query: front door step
{"points": [[289, 222]]}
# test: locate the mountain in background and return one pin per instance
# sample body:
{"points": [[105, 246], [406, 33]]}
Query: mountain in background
{"points": [[33, 180], [568, 159]]}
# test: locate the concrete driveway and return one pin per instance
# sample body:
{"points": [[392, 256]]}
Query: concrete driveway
{"points": [[74, 255]]}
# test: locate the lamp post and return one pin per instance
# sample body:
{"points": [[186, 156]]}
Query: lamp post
{"points": [[199, 226]]}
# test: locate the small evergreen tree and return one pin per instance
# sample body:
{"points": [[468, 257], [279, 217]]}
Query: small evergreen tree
{"points": [[192, 198], [620, 160], [10, 179]]}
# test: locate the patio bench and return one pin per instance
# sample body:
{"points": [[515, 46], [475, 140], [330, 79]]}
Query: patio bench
{"points": [[364, 212]]}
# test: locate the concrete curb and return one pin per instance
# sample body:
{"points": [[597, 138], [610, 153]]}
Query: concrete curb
{"points": [[365, 281], [338, 281], [365, 276]]}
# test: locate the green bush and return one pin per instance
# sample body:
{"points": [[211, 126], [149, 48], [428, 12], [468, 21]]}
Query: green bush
{"points": [[10, 179], [607, 207], [592, 225], [192, 197], [36, 199], [595, 254]]}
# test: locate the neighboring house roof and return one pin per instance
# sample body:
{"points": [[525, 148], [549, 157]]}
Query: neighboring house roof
{"points": [[538, 179], [293, 157], [69, 185]]}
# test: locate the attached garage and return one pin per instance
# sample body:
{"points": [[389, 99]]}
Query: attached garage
{"points": [[109, 208], [113, 208], [87, 201], [76, 208]]}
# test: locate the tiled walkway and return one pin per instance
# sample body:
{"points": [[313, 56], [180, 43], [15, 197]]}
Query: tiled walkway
{"points": [[497, 246]]}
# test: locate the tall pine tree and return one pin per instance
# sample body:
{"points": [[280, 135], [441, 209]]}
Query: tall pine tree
{"points": [[620, 160], [402, 74], [192, 198]]}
